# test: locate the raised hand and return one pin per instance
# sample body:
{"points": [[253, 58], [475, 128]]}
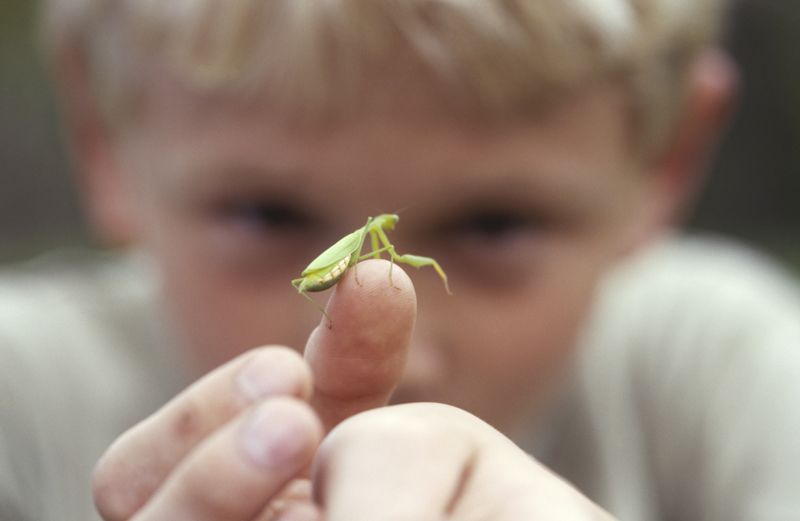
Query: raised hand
{"points": [[226, 447]]}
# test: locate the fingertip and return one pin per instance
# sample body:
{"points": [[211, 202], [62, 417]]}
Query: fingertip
{"points": [[111, 505], [119, 488], [274, 371], [280, 432], [376, 284], [237, 471], [372, 291], [368, 311], [357, 362]]}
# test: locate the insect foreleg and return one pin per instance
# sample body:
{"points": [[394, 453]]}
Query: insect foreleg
{"points": [[376, 251], [356, 255], [376, 254], [377, 236]]}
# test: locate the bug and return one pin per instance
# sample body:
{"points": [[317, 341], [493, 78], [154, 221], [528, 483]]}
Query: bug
{"points": [[328, 268]]}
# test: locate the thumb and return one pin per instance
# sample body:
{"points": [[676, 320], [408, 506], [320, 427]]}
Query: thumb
{"points": [[358, 358]]}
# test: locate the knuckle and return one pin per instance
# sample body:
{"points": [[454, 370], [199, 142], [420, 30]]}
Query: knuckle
{"points": [[407, 428], [187, 422], [287, 358], [384, 427], [276, 352], [296, 412], [284, 369]]}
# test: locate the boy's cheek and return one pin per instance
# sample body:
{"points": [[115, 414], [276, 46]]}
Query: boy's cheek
{"points": [[221, 308], [498, 356], [218, 322]]}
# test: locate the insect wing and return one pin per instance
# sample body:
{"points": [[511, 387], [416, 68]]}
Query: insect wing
{"points": [[342, 248]]}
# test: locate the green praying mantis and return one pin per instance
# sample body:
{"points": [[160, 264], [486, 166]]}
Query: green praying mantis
{"points": [[328, 268]]}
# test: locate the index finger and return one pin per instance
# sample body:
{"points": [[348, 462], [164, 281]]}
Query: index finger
{"points": [[358, 359]]}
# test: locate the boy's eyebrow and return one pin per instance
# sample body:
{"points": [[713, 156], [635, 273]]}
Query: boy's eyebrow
{"points": [[192, 180], [196, 171], [522, 188]]}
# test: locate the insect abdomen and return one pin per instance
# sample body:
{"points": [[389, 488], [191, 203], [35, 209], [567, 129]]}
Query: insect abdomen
{"points": [[327, 279]]}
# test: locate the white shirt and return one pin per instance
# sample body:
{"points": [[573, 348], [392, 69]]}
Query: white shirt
{"points": [[82, 359], [685, 402]]}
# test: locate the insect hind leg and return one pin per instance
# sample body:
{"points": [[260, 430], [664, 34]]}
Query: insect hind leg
{"points": [[418, 261]]}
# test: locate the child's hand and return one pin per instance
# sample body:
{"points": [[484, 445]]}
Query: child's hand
{"points": [[427, 461], [218, 451], [226, 448]]}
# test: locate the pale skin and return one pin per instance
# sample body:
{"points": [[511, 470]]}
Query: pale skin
{"points": [[236, 203], [203, 434]]}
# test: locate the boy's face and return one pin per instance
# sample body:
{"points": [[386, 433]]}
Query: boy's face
{"points": [[234, 204]]}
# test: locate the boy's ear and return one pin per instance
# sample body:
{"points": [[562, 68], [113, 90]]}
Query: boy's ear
{"points": [[106, 194], [680, 166]]}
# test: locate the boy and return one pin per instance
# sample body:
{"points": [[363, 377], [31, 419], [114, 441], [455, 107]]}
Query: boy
{"points": [[534, 145]]}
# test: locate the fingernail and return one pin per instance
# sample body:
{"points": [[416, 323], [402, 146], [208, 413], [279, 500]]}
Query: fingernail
{"points": [[266, 376], [273, 438]]}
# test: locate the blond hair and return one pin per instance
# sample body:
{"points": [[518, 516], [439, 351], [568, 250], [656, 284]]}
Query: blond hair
{"points": [[494, 59]]}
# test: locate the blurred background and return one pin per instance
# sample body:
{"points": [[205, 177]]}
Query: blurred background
{"points": [[753, 193]]}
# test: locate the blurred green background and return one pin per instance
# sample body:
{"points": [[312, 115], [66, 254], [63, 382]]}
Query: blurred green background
{"points": [[753, 193]]}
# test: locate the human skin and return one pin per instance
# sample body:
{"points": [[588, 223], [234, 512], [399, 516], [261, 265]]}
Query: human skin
{"points": [[524, 220], [258, 421], [232, 203]]}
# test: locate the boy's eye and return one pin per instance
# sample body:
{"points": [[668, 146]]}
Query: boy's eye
{"points": [[492, 226], [266, 216], [494, 247], [261, 235]]}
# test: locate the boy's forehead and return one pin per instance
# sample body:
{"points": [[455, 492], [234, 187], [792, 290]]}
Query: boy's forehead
{"points": [[213, 151], [216, 142]]}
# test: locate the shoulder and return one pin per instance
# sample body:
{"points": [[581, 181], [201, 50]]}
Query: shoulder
{"points": [[73, 281], [709, 310], [698, 290], [73, 321], [74, 310], [705, 268], [690, 374], [81, 358]]}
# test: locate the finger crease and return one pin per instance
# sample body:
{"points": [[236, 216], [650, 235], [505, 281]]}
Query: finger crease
{"points": [[463, 481]]}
